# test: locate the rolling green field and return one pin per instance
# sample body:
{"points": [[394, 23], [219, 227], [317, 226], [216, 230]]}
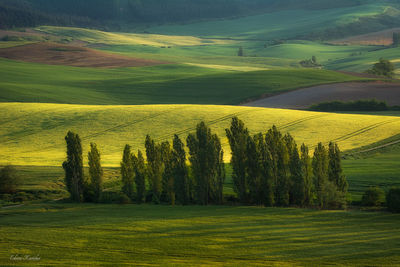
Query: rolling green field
{"points": [[211, 53], [33, 134], [65, 234], [201, 81], [275, 25], [163, 84]]}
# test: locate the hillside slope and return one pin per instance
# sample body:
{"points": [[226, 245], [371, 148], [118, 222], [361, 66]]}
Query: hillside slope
{"points": [[163, 84], [33, 134]]}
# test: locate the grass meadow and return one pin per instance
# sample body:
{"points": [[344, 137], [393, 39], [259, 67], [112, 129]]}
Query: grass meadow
{"points": [[65, 234]]}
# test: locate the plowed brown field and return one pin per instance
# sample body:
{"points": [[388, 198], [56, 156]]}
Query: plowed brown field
{"points": [[304, 98], [58, 54]]}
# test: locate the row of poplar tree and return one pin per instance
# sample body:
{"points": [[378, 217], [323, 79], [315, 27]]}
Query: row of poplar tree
{"points": [[267, 169]]}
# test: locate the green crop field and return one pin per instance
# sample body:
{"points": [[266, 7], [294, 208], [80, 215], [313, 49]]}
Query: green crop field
{"points": [[68, 234], [163, 84], [222, 53]]}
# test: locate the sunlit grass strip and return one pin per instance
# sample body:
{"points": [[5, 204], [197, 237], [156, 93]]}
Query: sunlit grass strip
{"points": [[96, 36], [33, 134]]}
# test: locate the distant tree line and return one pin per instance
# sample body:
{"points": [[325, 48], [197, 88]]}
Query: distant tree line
{"points": [[113, 14], [359, 105]]}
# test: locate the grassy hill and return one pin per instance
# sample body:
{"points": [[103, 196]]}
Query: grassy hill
{"points": [[117, 14], [65, 234], [282, 24], [33, 134], [211, 52], [164, 84]]}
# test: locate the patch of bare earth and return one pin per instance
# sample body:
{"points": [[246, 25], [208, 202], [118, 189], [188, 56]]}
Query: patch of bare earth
{"points": [[58, 54], [304, 98], [376, 38], [26, 33]]}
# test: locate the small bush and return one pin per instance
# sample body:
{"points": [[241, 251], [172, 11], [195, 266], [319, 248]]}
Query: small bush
{"points": [[124, 199], [383, 68], [22, 197], [393, 199], [6, 197], [89, 194], [373, 197], [333, 198], [112, 197], [9, 180]]}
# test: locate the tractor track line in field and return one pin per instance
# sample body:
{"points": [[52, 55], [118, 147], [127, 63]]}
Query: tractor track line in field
{"points": [[358, 132], [121, 126], [295, 122], [362, 130], [208, 123], [376, 148]]}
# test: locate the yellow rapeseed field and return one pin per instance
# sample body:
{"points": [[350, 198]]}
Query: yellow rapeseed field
{"points": [[33, 134]]}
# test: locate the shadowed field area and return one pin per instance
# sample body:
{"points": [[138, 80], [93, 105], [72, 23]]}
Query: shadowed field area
{"points": [[384, 37], [65, 234], [57, 54], [161, 84]]}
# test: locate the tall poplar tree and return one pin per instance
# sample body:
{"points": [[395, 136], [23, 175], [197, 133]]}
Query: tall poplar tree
{"points": [[127, 172], [238, 139], [73, 167], [168, 191], [320, 163], [206, 158], [280, 168], [183, 185], [335, 171], [256, 181], [267, 166], [296, 172], [140, 179], [154, 167], [95, 171], [307, 173]]}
